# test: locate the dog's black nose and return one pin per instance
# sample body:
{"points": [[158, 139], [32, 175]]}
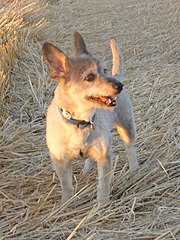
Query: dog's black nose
{"points": [[119, 87]]}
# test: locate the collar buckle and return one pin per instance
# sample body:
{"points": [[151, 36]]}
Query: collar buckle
{"points": [[92, 121], [65, 114]]}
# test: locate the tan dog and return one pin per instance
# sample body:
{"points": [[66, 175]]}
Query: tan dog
{"points": [[79, 120]]}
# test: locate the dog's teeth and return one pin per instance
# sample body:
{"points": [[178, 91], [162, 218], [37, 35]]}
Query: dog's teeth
{"points": [[109, 101]]}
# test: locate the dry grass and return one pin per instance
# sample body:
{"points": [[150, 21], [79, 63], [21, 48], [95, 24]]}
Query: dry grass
{"points": [[16, 28], [143, 206]]}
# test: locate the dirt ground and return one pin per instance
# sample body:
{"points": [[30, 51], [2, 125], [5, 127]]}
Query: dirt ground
{"points": [[143, 206]]}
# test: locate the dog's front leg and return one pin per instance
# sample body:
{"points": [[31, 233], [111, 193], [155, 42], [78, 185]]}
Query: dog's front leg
{"points": [[104, 176], [63, 170]]}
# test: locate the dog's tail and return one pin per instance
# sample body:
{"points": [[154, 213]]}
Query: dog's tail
{"points": [[117, 67]]}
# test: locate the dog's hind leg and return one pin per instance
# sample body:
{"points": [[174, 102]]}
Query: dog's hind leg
{"points": [[88, 166], [64, 172], [124, 122], [128, 138]]}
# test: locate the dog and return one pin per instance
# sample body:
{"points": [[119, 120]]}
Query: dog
{"points": [[87, 101]]}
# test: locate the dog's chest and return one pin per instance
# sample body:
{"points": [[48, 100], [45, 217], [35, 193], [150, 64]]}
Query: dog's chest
{"points": [[79, 141], [88, 145], [83, 144]]}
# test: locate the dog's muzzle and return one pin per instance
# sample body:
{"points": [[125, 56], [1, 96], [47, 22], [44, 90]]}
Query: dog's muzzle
{"points": [[109, 100]]}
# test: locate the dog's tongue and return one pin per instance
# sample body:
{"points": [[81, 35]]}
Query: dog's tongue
{"points": [[108, 100], [105, 99]]}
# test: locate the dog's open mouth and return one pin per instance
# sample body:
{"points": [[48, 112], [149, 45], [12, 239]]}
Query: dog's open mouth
{"points": [[106, 100]]}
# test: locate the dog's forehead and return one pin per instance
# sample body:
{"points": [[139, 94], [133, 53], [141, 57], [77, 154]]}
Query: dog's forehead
{"points": [[85, 62]]}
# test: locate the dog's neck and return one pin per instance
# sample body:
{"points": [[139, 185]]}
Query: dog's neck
{"points": [[75, 112], [78, 114], [78, 123]]}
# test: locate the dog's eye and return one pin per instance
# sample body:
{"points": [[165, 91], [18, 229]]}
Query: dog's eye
{"points": [[105, 70], [90, 77]]}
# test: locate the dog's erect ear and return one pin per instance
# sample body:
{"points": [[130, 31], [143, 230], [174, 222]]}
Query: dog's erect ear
{"points": [[79, 44], [117, 62], [56, 60]]}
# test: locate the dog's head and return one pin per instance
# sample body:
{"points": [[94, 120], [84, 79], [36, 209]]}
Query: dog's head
{"points": [[83, 79]]}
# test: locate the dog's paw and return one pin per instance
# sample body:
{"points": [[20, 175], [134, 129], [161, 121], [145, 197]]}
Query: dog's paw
{"points": [[102, 200], [66, 197], [134, 167]]}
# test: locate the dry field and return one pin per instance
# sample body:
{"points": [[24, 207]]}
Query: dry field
{"points": [[145, 205]]}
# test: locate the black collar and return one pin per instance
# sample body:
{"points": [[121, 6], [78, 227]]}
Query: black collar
{"points": [[78, 123]]}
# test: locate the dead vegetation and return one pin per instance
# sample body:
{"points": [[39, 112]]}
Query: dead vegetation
{"points": [[18, 25], [144, 206]]}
